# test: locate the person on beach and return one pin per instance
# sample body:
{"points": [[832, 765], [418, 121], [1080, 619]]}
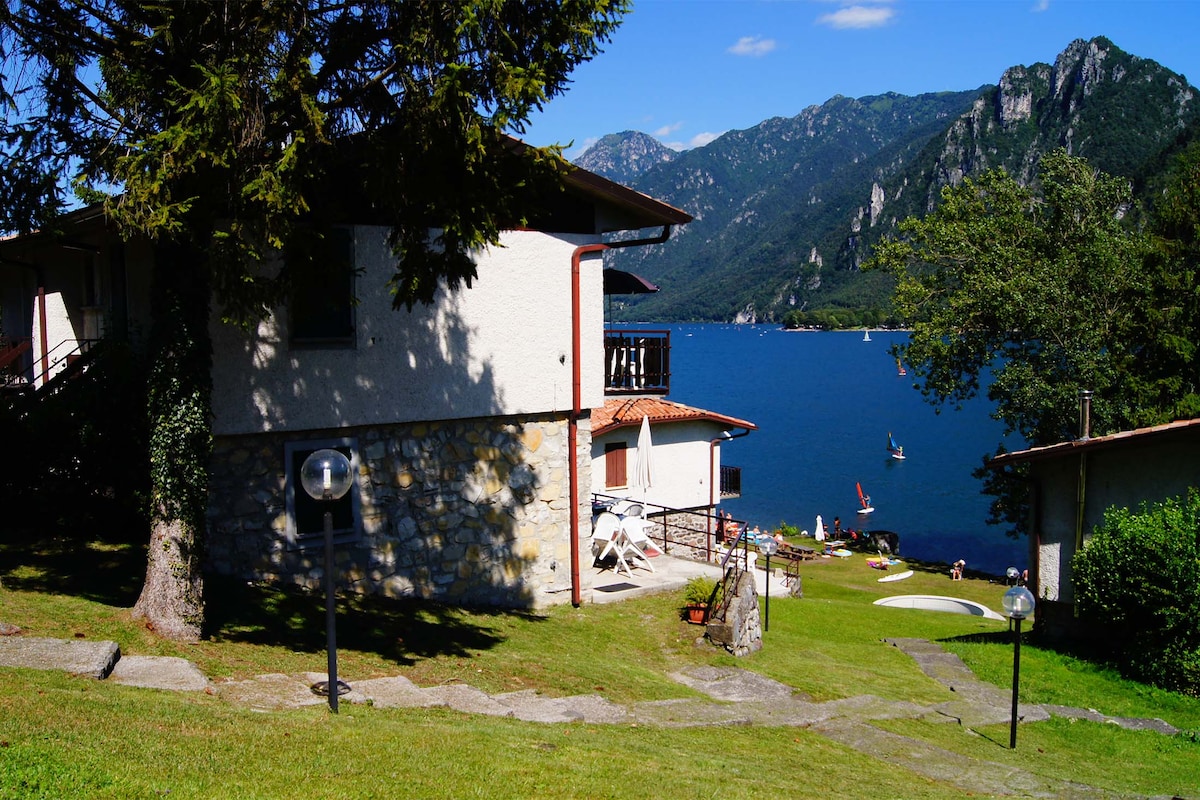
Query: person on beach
{"points": [[956, 570]]}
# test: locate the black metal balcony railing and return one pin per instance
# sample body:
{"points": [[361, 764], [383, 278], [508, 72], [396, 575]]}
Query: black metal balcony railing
{"points": [[637, 362], [731, 482]]}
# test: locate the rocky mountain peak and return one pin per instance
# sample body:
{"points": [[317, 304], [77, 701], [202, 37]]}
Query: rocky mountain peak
{"points": [[624, 156]]}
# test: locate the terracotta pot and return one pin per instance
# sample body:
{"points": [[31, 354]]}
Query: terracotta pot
{"points": [[697, 614]]}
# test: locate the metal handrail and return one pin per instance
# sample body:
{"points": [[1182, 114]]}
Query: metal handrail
{"points": [[79, 348]]}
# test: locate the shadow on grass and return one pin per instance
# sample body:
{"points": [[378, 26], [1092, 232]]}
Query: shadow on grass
{"points": [[401, 630], [1098, 653], [107, 572], [111, 574]]}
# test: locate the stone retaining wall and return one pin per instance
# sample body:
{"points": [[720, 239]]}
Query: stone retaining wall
{"points": [[471, 512]]}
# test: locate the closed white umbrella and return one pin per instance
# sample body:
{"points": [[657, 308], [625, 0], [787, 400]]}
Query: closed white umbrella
{"points": [[819, 535], [643, 465]]}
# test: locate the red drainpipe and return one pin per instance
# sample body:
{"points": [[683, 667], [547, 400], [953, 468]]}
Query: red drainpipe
{"points": [[577, 389], [712, 484]]}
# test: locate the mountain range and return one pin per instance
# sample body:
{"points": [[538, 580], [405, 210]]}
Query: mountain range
{"points": [[787, 211]]}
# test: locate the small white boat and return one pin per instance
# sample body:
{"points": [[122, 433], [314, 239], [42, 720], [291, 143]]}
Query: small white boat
{"points": [[866, 336]]}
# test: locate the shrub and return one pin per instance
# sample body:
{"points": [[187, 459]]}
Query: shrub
{"points": [[700, 590], [1139, 577]]}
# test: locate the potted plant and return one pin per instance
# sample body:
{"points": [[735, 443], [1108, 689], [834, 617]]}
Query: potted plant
{"points": [[698, 593]]}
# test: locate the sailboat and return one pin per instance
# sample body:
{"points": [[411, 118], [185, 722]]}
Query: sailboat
{"points": [[896, 450], [864, 500], [866, 335]]}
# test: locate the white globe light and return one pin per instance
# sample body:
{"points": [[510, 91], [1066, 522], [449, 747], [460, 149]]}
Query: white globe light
{"points": [[325, 474], [1018, 602], [768, 546]]}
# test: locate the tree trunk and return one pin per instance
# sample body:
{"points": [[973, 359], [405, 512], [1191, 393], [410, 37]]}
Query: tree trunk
{"points": [[172, 599], [179, 404]]}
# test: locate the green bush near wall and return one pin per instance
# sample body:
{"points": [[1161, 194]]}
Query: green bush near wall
{"points": [[1139, 578]]}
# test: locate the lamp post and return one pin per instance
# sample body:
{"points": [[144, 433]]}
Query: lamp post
{"points": [[325, 476], [1018, 604], [768, 547]]}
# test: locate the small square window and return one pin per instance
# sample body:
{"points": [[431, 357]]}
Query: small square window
{"points": [[306, 515], [321, 306], [616, 457]]}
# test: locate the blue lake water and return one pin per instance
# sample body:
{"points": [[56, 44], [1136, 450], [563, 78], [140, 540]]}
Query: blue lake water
{"points": [[824, 403]]}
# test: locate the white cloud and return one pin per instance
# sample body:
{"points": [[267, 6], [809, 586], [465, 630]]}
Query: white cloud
{"points": [[667, 130], [699, 140], [752, 46], [858, 17], [1041, 5], [580, 148]]}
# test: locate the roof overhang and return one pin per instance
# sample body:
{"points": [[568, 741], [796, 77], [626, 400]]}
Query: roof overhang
{"points": [[1187, 428], [627, 413]]}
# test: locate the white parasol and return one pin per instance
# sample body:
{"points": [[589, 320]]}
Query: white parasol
{"points": [[820, 530], [643, 464]]}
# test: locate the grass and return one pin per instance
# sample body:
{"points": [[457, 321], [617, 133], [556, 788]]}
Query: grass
{"points": [[72, 737]]}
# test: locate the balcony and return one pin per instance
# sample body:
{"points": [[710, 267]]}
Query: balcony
{"points": [[731, 482], [637, 362]]}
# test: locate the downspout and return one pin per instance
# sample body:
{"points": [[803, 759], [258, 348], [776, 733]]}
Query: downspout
{"points": [[1085, 433], [712, 497], [577, 388]]}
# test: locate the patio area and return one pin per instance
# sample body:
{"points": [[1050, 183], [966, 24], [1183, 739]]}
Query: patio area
{"points": [[670, 574]]}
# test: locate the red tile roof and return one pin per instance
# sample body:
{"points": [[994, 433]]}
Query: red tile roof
{"points": [[628, 412]]}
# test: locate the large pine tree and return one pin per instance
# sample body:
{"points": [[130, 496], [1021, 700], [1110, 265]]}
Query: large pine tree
{"points": [[223, 132]]}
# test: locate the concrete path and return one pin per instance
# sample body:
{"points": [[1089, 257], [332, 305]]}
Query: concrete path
{"points": [[737, 697]]}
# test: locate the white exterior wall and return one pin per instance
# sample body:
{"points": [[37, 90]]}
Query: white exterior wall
{"points": [[502, 347], [680, 476], [59, 325], [1123, 476]]}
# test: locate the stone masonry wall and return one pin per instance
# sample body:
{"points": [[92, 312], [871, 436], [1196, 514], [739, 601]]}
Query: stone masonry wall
{"points": [[470, 512]]}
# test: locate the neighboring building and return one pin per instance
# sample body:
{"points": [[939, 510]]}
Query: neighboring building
{"points": [[1072, 484], [687, 471], [467, 421]]}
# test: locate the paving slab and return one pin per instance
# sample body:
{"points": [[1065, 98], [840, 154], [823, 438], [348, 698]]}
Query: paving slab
{"points": [[75, 656], [273, 692], [529, 706], [159, 672], [972, 775]]}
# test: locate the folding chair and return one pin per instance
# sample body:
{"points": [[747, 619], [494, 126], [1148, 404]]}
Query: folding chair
{"points": [[607, 538]]}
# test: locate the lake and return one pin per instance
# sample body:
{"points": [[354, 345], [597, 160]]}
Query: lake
{"points": [[824, 403]]}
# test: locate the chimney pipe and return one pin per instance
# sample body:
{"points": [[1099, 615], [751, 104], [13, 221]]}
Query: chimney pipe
{"points": [[1085, 414]]}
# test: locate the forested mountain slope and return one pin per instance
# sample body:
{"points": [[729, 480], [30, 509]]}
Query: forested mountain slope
{"points": [[786, 211]]}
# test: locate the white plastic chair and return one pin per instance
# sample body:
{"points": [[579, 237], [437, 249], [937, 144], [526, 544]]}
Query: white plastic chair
{"points": [[636, 539], [607, 537], [627, 508]]}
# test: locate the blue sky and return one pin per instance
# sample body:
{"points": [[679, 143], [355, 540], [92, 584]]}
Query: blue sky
{"points": [[686, 71]]}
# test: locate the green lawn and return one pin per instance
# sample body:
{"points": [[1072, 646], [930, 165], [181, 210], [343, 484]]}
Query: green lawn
{"points": [[63, 737]]}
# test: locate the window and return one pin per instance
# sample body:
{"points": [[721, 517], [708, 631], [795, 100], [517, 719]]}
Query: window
{"points": [[306, 516], [321, 307], [615, 460]]}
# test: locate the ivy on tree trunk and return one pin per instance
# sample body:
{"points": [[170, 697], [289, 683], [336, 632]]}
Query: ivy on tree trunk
{"points": [[179, 405]]}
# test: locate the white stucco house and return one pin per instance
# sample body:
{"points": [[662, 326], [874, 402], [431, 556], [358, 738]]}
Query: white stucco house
{"points": [[468, 423], [1073, 483], [687, 471]]}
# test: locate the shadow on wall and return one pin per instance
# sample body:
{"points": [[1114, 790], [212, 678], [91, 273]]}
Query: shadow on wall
{"points": [[466, 510]]}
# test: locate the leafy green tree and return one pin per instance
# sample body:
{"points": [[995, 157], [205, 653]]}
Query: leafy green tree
{"points": [[1138, 580], [228, 131], [1044, 292]]}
